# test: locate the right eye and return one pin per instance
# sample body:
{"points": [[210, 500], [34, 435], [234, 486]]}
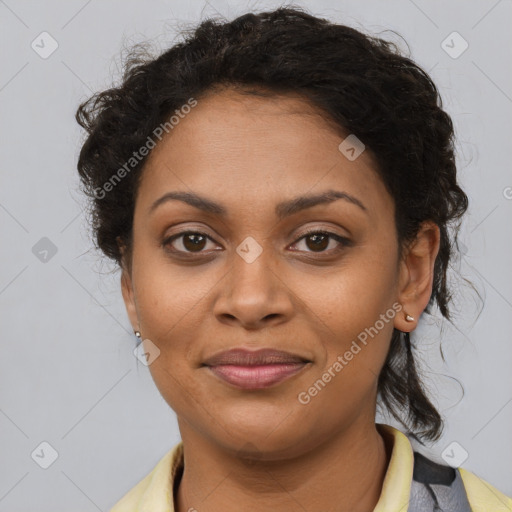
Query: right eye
{"points": [[187, 242]]}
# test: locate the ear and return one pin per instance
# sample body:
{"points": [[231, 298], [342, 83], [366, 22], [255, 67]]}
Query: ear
{"points": [[129, 299], [416, 275], [128, 292]]}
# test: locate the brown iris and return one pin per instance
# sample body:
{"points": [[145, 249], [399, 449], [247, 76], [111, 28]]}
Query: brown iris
{"points": [[193, 241], [321, 241]]}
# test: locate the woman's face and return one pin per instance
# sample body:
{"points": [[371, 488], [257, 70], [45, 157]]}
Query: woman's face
{"points": [[253, 279]]}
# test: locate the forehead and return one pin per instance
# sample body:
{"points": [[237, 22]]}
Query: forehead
{"points": [[259, 149]]}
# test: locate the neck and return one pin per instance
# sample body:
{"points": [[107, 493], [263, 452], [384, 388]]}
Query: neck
{"points": [[343, 474]]}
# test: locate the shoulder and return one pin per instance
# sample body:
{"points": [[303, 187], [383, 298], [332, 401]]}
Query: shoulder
{"points": [[482, 495], [154, 492], [441, 487]]}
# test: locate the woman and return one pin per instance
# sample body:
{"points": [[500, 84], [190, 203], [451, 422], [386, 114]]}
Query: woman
{"points": [[280, 194]]}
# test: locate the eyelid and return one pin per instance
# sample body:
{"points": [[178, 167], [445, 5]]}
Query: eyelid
{"points": [[317, 229], [340, 239], [171, 238]]}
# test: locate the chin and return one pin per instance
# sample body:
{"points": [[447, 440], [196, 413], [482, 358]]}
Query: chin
{"points": [[265, 436], [276, 447]]}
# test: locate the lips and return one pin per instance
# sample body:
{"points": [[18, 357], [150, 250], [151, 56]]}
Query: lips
{"points": [[255, 369], [264, 356]]}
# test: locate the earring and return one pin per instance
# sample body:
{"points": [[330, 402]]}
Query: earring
{"points": [[137, 333], [409, 318]]}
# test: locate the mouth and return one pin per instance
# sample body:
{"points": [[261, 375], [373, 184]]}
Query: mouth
{"points": [[255, 369]]}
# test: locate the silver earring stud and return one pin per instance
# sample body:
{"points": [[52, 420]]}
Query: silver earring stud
{"points": [[137, 333], [409, 318]]}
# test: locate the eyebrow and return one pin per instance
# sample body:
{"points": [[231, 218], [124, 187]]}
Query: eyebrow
{"points": [[283, 209]]}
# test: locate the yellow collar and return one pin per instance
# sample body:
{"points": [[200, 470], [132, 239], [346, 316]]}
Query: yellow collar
{"points": [[155, 491], [396, 487]]}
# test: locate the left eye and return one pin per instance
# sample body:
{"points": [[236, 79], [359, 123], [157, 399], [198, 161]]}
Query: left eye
{"points": [[316, 241], [320, 240]]}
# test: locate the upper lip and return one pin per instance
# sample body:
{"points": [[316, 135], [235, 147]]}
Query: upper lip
{"points": [[244, 357]]}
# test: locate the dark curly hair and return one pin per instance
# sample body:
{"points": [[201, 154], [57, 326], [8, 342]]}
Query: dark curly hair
{"points": [[362, 84]]}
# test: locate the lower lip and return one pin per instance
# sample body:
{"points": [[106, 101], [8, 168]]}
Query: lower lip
{"points": [[256, 377]]}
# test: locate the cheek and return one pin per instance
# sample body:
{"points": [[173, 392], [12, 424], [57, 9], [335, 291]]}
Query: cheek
{"points": [[353, 295], [168, 295], [355, 312], [356, 322], [172, 306]]}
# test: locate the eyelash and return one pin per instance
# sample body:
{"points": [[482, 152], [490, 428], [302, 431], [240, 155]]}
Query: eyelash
{"points": [[344, 242]]}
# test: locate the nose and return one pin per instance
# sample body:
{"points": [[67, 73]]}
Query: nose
{"points": [[253, 294]]}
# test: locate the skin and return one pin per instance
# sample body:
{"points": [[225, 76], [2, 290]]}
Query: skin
{"points": [[263, 449]]}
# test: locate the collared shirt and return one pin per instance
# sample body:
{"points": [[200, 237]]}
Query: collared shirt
{"points": [[413, 483]]}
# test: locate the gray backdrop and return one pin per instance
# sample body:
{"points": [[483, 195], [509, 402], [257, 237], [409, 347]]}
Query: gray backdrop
{"points": [[68, 374]]}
